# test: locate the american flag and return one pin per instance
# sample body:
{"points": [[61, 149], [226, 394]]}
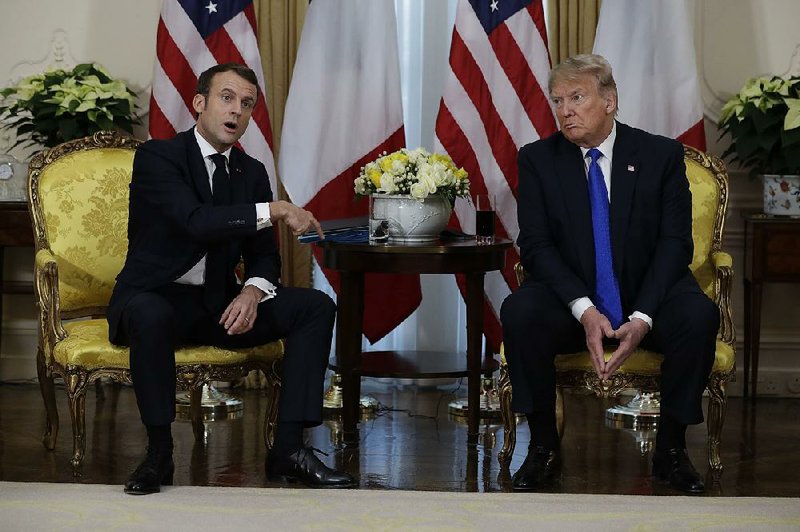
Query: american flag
{"points": [[194, 35], [494, 102]]}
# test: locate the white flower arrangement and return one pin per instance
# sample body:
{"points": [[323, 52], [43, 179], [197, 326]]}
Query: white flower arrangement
{"points": [[417, 173]]}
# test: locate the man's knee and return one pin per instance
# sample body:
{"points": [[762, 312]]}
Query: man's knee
{"points": [[532, 310], [313, 307], [322, 303], [688, 332], [513, 312], [701, 319], [148, 311]]}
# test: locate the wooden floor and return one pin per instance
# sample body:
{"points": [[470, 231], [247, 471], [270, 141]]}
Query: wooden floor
{"points": [[412, 444]]}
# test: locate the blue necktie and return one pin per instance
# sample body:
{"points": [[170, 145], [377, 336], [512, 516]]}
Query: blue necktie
{"points": [[606, 292]]}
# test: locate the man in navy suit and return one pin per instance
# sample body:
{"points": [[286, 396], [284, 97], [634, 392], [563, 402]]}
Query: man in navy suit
{"points": [[609, 270], [197, 205]]}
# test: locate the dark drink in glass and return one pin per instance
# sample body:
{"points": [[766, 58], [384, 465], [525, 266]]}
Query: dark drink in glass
{"points": [[484, 219], [484, 226]]}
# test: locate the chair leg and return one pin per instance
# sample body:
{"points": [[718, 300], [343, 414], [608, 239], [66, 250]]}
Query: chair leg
{"points": [[46, 385], [99, 391], [273, 391], [560, 412], [76, 390], [717, 402], [509, 419], [196, 411]]}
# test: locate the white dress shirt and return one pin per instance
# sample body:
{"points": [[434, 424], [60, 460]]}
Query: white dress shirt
{"points": [[578, 306], [197, 274]]}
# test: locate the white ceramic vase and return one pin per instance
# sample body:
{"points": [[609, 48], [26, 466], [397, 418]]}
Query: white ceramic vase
{"points": [[407, 219], [781, 194], [13, 179]]}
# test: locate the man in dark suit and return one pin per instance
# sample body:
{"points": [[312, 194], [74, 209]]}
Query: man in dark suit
{"points": [[197, 205], [605, 220]]}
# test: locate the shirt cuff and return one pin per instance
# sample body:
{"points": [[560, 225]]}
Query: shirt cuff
{"points": [[262, 217], [642, 316], [262, 284], [579, 306]]}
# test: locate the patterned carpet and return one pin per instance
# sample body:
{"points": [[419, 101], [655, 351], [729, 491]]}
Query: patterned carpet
{"points": [[86, 507]]}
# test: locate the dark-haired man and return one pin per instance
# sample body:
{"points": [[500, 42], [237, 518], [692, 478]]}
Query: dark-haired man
{"points": [[197, 205], [605, 219]]}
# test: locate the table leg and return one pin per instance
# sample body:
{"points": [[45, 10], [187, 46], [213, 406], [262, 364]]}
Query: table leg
{"points": [[474, 301], [753, 291], [349, 320], [747, 336], [2, 291]]}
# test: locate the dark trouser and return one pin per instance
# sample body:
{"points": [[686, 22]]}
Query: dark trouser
{"points": [[154, 323], [537, 326]]}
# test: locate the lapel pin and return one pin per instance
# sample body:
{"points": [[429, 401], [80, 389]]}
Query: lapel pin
{"points": [[631, 168]]}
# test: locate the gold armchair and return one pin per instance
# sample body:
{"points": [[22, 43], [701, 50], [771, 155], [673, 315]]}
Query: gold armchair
{"points": [[79, 206], [712, 267]]}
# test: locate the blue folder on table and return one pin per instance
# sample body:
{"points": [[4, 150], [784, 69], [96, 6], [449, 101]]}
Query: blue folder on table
{"points": [[353, 230]]}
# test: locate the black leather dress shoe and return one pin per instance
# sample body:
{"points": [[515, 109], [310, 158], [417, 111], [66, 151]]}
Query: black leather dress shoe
{"points": [[155, 471], [674, 466], [539, 470], [304, 466]]}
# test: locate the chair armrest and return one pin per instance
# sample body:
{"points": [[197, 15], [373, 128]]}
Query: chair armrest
{"points": [[720, 259], [723, 285], [45, 282]]}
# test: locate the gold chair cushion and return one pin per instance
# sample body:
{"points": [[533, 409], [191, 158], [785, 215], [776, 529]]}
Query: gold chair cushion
{"points": [[705, 200], [84, 197], [641, 362], [87, 346]]}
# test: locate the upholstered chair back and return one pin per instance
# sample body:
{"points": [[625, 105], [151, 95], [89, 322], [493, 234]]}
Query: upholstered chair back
{"points": [[80, 203], [709, 200]]}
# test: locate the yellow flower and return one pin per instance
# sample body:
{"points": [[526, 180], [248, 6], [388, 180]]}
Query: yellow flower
{"points": [[394, 163], [441, 158], [375, 177]]}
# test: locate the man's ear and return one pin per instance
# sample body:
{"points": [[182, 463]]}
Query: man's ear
{"points": [[199, 103], [611, 104]]}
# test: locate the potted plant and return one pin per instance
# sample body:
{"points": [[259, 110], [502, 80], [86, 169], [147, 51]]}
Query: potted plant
{"points": [[411, 193], [763, 121], [59, 105]]}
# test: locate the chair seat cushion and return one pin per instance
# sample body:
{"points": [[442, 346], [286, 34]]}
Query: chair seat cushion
{"points": [[642, 361], [87, 345]]}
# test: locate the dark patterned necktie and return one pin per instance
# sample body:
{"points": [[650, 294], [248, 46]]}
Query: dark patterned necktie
{"points": [[217, 273], [606, 294]]}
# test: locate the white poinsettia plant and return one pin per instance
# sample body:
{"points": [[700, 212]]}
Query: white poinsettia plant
{"points": [[60, 105], [763, 121], [417, 173]]}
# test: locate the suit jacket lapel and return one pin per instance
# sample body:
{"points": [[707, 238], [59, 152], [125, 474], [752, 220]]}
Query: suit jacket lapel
{"points": [[624, 171], [572, 177], [197, 167]]}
